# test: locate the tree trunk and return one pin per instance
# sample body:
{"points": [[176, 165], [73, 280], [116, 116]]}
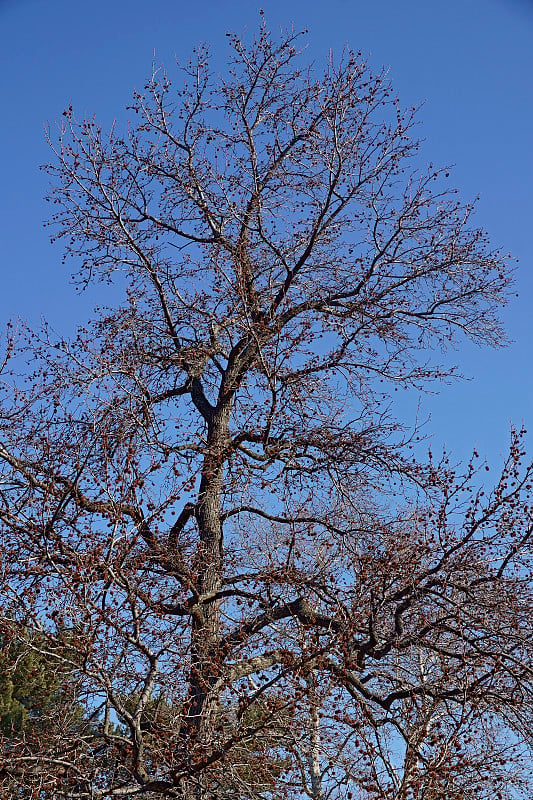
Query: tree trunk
{"points": [[203, 704]]}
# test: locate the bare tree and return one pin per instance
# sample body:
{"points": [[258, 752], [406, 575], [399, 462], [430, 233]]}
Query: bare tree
{"points": [[266, 596]]}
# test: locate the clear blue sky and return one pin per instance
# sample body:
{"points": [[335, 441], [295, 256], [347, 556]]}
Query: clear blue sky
{"points": [[470, 61]]}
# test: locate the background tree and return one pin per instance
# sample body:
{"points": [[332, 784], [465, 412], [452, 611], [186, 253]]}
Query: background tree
{"points": [[33, 689], [208, 484], [38, 701]]}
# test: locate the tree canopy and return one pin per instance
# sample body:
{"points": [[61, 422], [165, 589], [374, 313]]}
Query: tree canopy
{"points": [[272, 595]]}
